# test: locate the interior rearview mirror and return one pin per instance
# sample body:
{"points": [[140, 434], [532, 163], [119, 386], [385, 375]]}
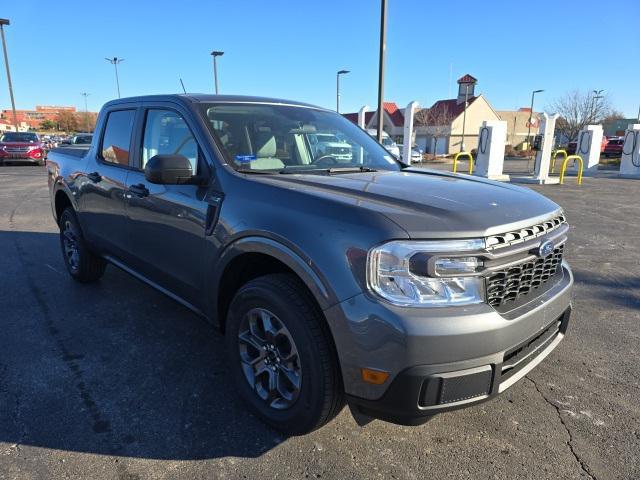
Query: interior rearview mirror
{"points": [[168, 169]]}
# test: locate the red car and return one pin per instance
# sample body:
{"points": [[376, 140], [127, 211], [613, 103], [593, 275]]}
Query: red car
{"points": [[614, 147], [21, 147]]}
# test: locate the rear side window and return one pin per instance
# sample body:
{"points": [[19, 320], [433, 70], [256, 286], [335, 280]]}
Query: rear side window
{"points": [[117, 137]]}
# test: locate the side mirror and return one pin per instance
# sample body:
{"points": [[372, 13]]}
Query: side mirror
{"points": [[168, 169]]}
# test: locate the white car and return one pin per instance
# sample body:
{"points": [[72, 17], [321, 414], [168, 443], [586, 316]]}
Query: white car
{"points": [[387, 142], [416, 153], [328, 144]]}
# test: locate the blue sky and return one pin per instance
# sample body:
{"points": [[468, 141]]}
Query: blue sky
{"points": [[292, 49]]}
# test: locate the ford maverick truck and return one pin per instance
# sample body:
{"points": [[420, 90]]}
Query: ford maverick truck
{"points": [[402, 292]]}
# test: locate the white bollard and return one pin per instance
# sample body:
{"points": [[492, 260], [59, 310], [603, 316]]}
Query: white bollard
{"points": [[588, 147], [630, 161], [490, 156]]}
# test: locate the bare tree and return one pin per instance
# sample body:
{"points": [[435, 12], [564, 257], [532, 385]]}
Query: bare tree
{"points": [[578, 109], [438, 122]]}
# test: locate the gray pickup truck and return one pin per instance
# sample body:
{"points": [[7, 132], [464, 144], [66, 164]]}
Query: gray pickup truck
{"points": [[401, 291]]}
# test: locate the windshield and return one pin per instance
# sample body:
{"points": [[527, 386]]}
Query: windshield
{"points": [[83, 140], [19, 137], [284, 138]]}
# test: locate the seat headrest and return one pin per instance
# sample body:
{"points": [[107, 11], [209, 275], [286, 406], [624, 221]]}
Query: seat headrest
{"points": [[265, 145]]}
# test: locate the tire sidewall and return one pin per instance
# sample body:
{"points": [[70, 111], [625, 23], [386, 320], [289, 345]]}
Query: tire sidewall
{"points": [[305, 412], [68, 216]]}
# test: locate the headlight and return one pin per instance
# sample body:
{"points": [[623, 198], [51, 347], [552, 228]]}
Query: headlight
{"points": [[398, 272]]}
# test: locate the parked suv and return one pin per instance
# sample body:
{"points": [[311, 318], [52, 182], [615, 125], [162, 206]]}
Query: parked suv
{"points": [[403, 291], [21, 147]]}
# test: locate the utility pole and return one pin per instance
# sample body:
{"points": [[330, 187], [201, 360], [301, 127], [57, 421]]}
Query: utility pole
{"points": [[86, 110], [341, 72], [383, 47], [115, 61], [3, 22], [215, 54]]}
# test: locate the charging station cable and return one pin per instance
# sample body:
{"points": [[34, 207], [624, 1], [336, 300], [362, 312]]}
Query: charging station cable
{"points": [[582, 150], [482, 141], [631, 139]]}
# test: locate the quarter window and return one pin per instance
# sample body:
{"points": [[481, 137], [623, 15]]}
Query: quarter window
{"points": [[166, 133], [117, 137]]}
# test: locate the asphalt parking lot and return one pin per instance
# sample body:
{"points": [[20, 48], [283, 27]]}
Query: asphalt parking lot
{"points": [[114, 380]]}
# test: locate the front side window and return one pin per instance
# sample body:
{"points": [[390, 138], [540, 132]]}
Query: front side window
{"points": [[287, 139], [166, 133], [117, 137]]}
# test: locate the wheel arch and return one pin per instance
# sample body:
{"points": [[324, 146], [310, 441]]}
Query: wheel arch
{"points": [[251, 257]]}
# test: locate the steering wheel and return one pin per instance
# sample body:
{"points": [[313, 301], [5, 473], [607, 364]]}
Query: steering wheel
{"points": [[325, 161]]}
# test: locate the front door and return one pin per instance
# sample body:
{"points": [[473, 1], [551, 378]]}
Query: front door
{"points": [[166, 223], [102, 198]]}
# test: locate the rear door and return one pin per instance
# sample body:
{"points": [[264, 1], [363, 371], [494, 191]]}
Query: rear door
{"points": [[166, 223], [104, 183]]}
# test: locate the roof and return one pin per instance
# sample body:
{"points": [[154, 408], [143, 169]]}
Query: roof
{"points": [[467, 79], [396, 115], [206, 98], [450, 106]]}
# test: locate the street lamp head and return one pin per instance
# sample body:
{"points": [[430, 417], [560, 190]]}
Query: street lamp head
{"points": [[342, 72], [4, 21], [216, 53], [538, 91]]}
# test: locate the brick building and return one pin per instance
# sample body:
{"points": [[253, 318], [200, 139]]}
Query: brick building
{"points": [[33, 118]]}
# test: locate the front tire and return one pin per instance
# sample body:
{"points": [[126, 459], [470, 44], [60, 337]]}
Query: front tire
{"points": [[282, 356], [82, 264]]}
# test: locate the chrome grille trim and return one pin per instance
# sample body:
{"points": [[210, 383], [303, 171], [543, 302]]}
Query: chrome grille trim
{"points": [[502, 240]]}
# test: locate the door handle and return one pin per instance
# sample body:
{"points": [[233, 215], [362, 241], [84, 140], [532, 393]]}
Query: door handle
{"points": [[95, 177], [139, 190]]}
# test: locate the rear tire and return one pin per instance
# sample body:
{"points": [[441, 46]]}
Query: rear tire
{"points": [[82, 264], [286, 370]]}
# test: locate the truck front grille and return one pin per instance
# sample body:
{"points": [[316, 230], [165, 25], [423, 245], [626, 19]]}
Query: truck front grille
{"points": [[510, 284], [525, 234]]}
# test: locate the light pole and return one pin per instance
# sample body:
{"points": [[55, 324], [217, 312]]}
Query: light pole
{"points": [[86, 110], [597, 95], [383, 47], [340, 72], [215, 54], [3, 22], [464, 113], [533, 94], [115, 61]]}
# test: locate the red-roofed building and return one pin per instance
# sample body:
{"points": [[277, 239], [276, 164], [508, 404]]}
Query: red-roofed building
{"points": [[393, 120]]}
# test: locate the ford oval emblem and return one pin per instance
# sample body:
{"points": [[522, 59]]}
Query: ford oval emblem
{"points": [[546, 248]]}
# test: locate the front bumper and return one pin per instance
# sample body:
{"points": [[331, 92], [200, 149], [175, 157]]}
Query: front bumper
{"points": [[442, 359]]}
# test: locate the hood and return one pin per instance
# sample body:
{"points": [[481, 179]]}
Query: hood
{"points": [[428, 203], [20, 144]]}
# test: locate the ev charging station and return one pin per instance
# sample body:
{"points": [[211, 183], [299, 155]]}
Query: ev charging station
{"points": [[361, 116], [408, 132], [543, 144], [630, 162], [490, 156], [588, 147]]}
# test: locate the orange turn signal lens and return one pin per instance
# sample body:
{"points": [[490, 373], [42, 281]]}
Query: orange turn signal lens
{"points": [[375, 377]]}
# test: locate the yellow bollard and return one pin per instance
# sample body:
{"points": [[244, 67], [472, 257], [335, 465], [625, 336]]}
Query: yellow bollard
{"points": [[554, 156], [564, 167], [455, 161]]}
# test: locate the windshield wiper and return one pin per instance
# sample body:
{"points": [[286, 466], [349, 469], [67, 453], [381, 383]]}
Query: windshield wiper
{"points": [[333, 170], [248, 170], [350, 169]]}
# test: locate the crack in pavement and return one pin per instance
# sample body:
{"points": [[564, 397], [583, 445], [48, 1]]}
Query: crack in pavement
{"points": [[583, 466]]}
